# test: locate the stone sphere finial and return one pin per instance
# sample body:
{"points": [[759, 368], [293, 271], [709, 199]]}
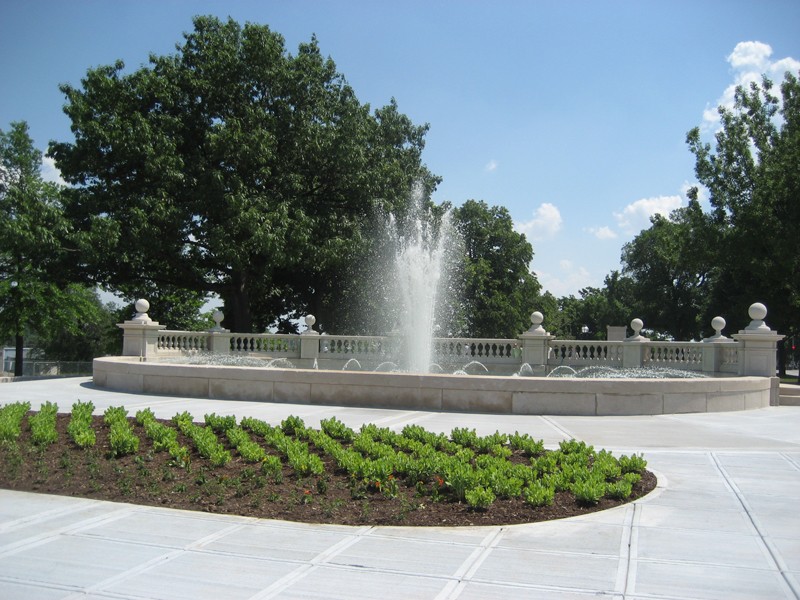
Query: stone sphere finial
{"points": [[637, 325], [718, 324], [536, 324], [757, 312], [142, 306], [310, 320]]}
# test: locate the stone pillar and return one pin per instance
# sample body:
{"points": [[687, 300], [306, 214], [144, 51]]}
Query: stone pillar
{"points": [[536, 345], [219, 338], [140, 334], [309, 340], [758, 344], [616, 333], [714, 347], [634, 348]]}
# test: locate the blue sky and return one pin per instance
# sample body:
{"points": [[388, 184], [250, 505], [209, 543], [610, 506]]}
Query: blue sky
{"points": [[573, 115]]}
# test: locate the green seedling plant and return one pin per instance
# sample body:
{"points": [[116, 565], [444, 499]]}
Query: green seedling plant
{"points": [[122, 439], [79, 428], [164, 437], [479, 498], [249, 450], [43, 425], [204, 439], [11, 416], [377, 463]]}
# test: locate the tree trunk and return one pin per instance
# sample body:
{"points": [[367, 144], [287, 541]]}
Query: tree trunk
{"points": [[18, 359], [237, 303]]}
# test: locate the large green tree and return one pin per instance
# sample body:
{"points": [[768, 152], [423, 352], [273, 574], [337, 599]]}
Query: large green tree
{"points": [[672, 264], [35, 290], [232, 167], [695, 265], [753, 178], [499, 291]]}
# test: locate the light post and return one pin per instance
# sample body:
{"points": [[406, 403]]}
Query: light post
{"points": [[19, 341]]}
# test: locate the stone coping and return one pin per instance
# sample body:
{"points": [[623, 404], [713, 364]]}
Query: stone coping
{"points": [[438, 392]]}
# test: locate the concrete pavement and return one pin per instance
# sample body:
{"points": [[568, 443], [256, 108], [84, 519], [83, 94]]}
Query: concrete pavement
{"points": [[722, 524]]}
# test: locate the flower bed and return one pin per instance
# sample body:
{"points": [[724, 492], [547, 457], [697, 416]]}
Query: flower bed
{"points": [[290, 471]]}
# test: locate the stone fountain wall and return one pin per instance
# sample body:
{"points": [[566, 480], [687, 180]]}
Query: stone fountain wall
{"points": [[750, 352]]}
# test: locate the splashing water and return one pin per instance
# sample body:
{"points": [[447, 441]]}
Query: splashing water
{"points": [[481, 367], [420, 265], [632, 373], [352, 365]]}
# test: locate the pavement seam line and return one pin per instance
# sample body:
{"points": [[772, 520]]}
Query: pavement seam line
{"points": [[770, 551], [46, 538], [470, 566], [624, 555], [566, 433], [302, 571], [153, 562], [791, 461], [41, 517]]}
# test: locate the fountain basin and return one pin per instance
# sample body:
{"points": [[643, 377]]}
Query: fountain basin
{"points": [[437, 392]]}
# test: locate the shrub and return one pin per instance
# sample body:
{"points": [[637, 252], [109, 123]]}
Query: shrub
{"points": [[43, 425], [163, 436], [589, 491], [526, 444], [538, 494], [121, 437], [619, 490], [220, 424], [249, 450], [464, 437], [204, 439], [80, 425], [11, 416], [337, 430], [479, 498], [271, 465], [635, 463], [292, 425]]}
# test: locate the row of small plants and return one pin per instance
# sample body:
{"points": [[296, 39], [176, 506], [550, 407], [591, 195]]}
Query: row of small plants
{"points": [[461, 467]]}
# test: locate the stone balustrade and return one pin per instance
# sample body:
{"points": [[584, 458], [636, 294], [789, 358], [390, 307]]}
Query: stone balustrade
{"points": [[751, 352]]}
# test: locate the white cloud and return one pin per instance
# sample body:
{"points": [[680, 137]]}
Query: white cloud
{"points": [[566, 281], [749, 61], [491, 166], [50, 172], [602, 233], [750, 55], [545, 224], [636, 216]]}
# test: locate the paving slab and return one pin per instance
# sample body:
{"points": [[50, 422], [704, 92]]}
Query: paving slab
{"points": [[722, 523]]}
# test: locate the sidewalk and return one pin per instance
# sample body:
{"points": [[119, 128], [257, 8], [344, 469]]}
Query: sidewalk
{"points": [[722, 524]]}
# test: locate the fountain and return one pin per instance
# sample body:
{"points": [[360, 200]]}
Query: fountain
{"points": [[421, 268], [729, 374]]}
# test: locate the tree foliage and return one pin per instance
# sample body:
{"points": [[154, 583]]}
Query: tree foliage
{"points": [[695, 265], [232, 167], [499, 291], [673, 264], [93, 333], [753, 178], [34, 266]]}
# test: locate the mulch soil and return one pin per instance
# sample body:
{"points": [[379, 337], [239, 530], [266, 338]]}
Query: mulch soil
{"points": [[239, 488]]}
